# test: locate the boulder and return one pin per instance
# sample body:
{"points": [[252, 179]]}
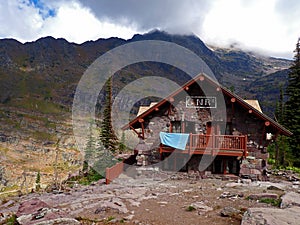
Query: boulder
{"points": [[35, 211], [115, 204], [274, 216], [31, 206], [290, 199], [201, 207], [229, 211], [263, 196]]}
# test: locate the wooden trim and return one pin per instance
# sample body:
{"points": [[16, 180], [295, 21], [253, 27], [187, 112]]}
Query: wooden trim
{"points": [[226, 145], [138, 134], [225, 91], [143, 130]]}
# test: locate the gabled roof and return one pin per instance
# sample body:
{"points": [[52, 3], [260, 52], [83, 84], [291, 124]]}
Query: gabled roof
{"points": [[225, 91]]}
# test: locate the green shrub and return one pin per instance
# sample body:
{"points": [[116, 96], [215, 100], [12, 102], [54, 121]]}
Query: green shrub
{"points": [[11, 220], [271, 201], [190, 208]]}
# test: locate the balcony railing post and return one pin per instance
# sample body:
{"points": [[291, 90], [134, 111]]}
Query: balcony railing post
{"points": [[191, 143], [107, 175], [213, 141]]}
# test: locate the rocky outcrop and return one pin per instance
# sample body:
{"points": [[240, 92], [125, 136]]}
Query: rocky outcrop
{"points": [[288, 214], [37, 212], [274, 216], [290, 199]]}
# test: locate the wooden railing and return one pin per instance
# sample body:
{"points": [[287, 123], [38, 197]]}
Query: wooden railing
{"points": [[231, 145], [113, 172]]}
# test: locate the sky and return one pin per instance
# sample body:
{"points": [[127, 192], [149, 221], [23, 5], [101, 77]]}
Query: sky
{"points": [[270, 27]]}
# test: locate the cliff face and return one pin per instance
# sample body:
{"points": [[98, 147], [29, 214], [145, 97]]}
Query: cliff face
{"points": [[38, 82]]}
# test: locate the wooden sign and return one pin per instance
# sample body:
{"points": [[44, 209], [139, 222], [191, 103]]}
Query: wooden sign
{"points": [[200, 102]]}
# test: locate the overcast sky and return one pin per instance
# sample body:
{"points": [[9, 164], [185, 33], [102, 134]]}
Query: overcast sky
{"points": [[269, 26]]}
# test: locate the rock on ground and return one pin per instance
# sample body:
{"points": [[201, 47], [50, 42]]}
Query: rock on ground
{"points": [[290, 199], [37, 212], [274, 216], [229, 211], [263, 196]]}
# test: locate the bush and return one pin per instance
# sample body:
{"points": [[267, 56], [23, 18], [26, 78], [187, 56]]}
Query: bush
{"points": [[11, 220], [190, 208], [272, 201]]}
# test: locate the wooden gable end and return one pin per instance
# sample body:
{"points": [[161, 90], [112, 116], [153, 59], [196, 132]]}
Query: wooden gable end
{"points": [[206, 101]]}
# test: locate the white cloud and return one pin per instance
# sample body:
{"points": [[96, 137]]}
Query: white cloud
{"points": [[76, 23], [19, 20], [24, 22], [254, 26], [270, 26]]}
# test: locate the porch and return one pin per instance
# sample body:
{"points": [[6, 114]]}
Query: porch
{"points": [[215, 145]]}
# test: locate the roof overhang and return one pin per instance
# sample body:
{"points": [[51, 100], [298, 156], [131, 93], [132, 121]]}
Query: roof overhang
{"points": [[239, 100]]}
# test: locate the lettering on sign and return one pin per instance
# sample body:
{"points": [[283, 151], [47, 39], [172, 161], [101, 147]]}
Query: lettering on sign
{"points": [[200, 102]]}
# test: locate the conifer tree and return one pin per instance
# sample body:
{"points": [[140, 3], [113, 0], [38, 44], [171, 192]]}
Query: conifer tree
{"points": [[89, 149], [122, 146], [108, 136], [38, 181], [292, 106], [280, 111]]}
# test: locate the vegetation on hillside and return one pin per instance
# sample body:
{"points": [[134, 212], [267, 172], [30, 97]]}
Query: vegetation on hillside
{"points": [[292, 106], [108, 136], [286, 150]]}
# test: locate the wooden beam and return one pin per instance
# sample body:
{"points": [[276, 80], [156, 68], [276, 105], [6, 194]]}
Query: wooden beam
{"points": [[138, 134], [143, 129], [263, 136]]}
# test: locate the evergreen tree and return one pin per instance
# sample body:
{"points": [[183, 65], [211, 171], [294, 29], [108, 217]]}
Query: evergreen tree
{"points": [[38, 181], [122, 146], [103, 160], [292, 106], [280, 111], [108, 136], [89, 149]]}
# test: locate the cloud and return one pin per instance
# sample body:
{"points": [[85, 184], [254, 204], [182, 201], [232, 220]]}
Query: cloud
{"points": [[270, 26], [78, 24], [57, 18], [176, 16], [19, 20], [255, 25]]}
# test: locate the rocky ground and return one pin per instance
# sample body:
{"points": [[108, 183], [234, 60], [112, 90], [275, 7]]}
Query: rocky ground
{"points": [[162, 199]]}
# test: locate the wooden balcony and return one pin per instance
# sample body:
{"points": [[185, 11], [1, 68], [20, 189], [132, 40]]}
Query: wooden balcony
{"points": [[226, 145]]}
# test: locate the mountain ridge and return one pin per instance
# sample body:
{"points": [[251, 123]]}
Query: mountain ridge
{"points": [[59, 61]]}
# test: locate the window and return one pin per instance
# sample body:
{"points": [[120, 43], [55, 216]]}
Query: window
{"points": [[176, 126]]}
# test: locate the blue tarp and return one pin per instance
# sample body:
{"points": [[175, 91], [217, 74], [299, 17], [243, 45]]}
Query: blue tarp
{"points": [[175, 140]]}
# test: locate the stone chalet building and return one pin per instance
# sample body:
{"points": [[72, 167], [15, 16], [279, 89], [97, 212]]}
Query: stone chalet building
{"points": [[204, 121]]}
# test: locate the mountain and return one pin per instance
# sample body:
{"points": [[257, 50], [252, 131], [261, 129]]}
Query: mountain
{"points": [[51, 68], [38, 81]]}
